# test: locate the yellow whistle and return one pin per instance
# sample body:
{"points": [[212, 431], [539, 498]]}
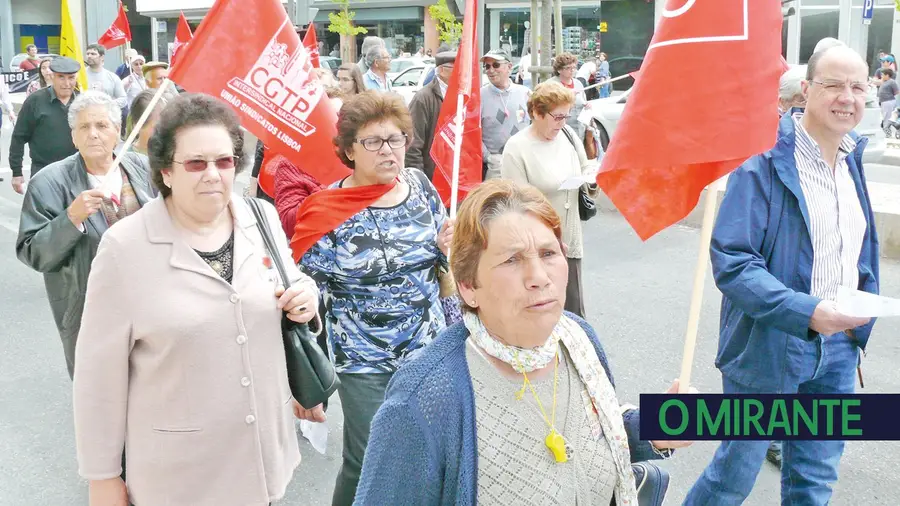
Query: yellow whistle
{"points": [[557, 446]]}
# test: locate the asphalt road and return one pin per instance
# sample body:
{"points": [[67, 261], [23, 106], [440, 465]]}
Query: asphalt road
{"points": [[637, 299]]}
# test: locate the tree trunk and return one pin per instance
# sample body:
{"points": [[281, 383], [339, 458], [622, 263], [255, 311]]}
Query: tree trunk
{"points": [[546, 36]]}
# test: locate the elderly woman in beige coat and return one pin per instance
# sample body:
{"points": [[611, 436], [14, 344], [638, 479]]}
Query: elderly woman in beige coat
{"points": [[544, 155], [179, 358]]}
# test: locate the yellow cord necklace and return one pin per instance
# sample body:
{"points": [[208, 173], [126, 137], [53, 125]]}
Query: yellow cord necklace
{"points": [[555, 442]]}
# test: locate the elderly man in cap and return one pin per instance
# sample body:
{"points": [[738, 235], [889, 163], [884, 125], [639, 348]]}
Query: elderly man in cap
{"points": [[504, 110], [425, 108], [43, 123], [71, 205]]}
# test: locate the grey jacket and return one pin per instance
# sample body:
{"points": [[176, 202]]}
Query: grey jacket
{"points": [[49, 243]]}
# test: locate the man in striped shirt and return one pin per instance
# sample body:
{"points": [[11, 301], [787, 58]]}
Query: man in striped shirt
{"points": [[795, 226]]}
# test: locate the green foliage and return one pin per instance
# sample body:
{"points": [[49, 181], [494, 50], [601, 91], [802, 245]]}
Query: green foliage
{"points": [[449, 29], [342, 21]]}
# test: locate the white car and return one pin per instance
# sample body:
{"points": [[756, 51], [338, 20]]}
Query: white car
{"points": [[608, 111], [411, 80], [19, 58], [399, 65]]}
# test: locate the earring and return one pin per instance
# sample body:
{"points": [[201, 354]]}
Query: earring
{"points": [[474, 303]]}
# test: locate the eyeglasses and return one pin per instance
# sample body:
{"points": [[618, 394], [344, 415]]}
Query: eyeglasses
{"points": [[560, 117], [859, 89], [345, 79], [568, 67], [200, 164], [495, 65], [376, 143]]}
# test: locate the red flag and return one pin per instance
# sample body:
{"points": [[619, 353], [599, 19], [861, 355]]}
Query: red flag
{"points": [[183, 37], [269, 82], [118, 33], [705, 128], [312, 45], [464, 80]]}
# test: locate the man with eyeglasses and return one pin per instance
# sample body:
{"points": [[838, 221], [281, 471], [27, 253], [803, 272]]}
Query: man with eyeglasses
{"points": [[504, 110], [425, 108], [795, 227], [379, 62]]}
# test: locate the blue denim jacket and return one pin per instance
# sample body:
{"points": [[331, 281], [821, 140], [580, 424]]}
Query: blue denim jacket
{"points": [[762, 258]]}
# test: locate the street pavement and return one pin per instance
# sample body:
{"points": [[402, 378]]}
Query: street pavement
{"points": [[637, 298]]}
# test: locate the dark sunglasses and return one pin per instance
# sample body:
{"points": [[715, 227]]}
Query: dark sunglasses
{"points": [[200, 164], [495, 65]]}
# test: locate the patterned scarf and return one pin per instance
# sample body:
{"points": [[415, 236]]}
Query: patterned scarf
{"points": [[602, 397]]}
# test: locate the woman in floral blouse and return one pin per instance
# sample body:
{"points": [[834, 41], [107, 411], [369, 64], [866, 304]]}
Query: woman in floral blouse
{"points": [[378, 271]]}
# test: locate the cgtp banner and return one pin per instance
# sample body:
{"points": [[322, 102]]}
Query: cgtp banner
{"points": [[18, 81], [263, 71]]}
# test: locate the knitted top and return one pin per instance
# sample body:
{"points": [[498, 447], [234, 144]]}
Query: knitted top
{"points": [[515, 466], [426, 429], [292, 186]]}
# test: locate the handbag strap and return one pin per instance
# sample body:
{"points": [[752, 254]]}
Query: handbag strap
{"points": [[266, 232]]}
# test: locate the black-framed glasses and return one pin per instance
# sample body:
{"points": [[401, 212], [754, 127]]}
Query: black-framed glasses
{"points": [[560, 117], [495, 65], [200, 164], [375, 143]]}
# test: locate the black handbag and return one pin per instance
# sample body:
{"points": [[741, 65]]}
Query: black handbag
{"points": [[587, 208], [311, 375], [651, 483]]}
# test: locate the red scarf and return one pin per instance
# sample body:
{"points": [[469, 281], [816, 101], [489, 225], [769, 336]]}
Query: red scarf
{"points": [[326, 210]]}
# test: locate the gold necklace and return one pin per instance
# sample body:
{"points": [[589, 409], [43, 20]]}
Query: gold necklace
{"points": [[555, 442]]}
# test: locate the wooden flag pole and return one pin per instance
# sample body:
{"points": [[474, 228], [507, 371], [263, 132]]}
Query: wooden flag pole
{"points": [[136, 128], [690, 341], [457, 151], [607, 81]]}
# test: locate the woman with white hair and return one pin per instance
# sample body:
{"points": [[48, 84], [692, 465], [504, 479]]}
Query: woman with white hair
{"points": [[790, 93]]}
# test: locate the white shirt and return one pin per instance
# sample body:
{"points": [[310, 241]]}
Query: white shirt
{"points": [[5, 100], [836, 219], [586, 71]]}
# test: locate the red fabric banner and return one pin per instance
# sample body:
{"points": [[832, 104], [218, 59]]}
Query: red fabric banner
{"points": [[466, 80], [262, 70], [118, 33], [311, 43], [679, 132], [183, 37]]}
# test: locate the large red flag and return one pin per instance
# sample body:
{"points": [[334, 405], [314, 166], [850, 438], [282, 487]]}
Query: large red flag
{"points": [[312, 45], [118, 33], [264, 73], [681, 131], [465, 80], [183, 37]]}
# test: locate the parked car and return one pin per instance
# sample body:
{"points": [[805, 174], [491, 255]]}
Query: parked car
{"points": [[608, 111], [622, 66], [411, 80], [400, 64], [331, 63], [19, 58]]}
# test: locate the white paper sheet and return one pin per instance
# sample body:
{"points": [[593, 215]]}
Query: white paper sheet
{"points": [[866, 305], [586, 116], [316, 433], [590, 177]]}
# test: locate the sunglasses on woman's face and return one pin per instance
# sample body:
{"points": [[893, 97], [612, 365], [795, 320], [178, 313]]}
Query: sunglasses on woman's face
{"points": [[200, 164]]}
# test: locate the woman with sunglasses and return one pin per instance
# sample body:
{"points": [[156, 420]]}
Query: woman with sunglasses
{"points": [[179, 359], [544, 155], [378, 269], [564, 66]]}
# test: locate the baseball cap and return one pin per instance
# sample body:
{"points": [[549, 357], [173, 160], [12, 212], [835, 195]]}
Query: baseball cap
{"points": [[497, 54]]}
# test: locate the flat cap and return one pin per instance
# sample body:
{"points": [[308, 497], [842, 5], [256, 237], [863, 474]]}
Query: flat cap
{"points": [[64, 65], [445, 58], [497, 54]]}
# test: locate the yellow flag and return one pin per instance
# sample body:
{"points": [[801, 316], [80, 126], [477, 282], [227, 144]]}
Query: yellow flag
{"points": [[69, 45]]}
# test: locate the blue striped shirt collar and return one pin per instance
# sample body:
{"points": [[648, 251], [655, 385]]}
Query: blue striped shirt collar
{"points": [[809, 147]]}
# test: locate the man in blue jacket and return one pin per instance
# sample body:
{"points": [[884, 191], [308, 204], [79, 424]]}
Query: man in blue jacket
{"points": [[795, 226]]}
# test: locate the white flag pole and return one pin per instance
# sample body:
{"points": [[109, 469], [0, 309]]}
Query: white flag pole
{"points": [[457, 151], [607, 81], [690, 341]]}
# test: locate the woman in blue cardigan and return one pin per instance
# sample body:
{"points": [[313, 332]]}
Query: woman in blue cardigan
{"points": [[516, 404]]}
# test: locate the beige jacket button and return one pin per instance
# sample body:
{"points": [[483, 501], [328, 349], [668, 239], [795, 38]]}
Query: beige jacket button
{"points": [[250, 419], [241, 339], [245, 381]]}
